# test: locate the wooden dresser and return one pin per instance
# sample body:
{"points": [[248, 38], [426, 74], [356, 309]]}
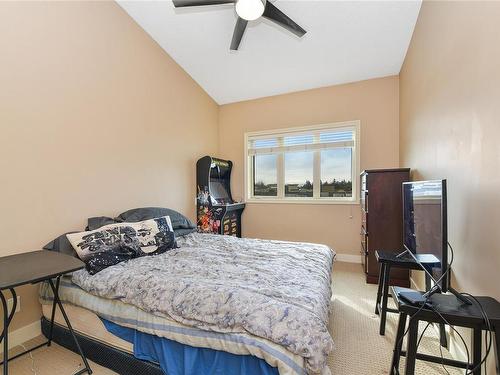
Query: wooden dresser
{"points": [[382, 219]]}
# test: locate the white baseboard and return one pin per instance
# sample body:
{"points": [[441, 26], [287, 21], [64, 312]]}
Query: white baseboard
{"points": [[23, 334], [348, 258]]}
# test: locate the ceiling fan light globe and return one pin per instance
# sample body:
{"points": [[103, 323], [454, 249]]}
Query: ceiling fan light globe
{"points": [[250, 10]]}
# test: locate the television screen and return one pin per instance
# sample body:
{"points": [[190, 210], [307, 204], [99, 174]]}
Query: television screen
{"points": [[424, 221]]}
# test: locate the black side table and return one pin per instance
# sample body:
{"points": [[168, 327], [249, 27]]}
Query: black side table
{"points": [[388, 260], [457, 314], [32, 268]]}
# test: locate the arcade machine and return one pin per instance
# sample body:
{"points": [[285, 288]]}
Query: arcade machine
{"points": [[216, 210]]}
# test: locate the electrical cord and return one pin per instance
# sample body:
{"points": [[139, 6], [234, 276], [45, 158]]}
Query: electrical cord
{"points": [[488, 333], [459, 335], [442, 359], [422, 334], [440, 348], [400, 341], [424, 304], [33, 368], [487, 322]]}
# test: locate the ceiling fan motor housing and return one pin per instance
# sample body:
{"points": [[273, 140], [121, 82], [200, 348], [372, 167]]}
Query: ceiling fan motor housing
{"points": [[250, 10]]}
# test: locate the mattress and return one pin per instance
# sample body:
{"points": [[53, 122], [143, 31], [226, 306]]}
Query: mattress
{"points": [[85, 310], [88, 324]]}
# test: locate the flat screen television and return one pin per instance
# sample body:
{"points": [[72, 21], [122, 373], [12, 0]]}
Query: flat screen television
{"points": [[425, 224]]}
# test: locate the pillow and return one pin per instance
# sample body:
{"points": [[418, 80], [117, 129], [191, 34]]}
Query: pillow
{"points": [[183, 232], [115, 243], [179, 221], [99, 221], [61, 245]]}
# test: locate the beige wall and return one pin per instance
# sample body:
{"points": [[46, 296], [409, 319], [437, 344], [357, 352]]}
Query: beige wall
{"points": [[373, 102], [450, 112], [449, 125], [95, 118]]}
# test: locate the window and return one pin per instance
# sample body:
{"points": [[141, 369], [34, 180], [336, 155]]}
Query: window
{"points": [[316, 164]]}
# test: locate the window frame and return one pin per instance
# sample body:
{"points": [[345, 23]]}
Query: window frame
{"points": [[280, 166]]}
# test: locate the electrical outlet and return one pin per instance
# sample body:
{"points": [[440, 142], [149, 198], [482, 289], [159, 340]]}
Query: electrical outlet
{"points": [[10, 302]]}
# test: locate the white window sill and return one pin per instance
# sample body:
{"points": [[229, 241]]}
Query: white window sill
{"points": [[301, 201]]}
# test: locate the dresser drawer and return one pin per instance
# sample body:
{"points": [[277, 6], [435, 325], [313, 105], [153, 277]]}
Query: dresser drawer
{"points": [[364, 250]]}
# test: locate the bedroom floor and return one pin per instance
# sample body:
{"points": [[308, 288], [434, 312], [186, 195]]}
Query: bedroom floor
{"points": [[359, 348]]}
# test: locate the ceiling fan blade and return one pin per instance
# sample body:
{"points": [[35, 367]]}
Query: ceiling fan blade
{"points": [[194, 3], [239, 30], [277, 16]]}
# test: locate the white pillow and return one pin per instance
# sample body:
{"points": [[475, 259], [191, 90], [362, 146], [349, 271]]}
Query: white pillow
{"points": [[147, 236]]}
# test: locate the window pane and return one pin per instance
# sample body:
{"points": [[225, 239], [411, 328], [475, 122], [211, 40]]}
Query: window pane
{"points": [[265, 176], [302, 139], [264, 143], [299, 174], [336, 172], [336, 136]]}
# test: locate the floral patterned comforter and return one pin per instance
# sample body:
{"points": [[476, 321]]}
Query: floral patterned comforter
{"points": [[272, 289]]}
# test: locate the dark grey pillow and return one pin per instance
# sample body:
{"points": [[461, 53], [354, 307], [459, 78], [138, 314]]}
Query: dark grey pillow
{"points": [[181, 232], [99, 221], [62, 245], [179, 221]]}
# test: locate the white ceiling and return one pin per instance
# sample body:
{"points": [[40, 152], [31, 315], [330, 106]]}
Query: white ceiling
{"points": [[347, 41]]}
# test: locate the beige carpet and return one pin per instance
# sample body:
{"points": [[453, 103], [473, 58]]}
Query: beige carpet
{"points": [[359, 350]]}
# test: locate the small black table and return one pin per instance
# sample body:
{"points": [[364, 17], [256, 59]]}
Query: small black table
{"points": [[388, 260], [32, 268], [457, 314]]}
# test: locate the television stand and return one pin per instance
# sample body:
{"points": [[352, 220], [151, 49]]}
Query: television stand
{"points": [[460, 315], [388, 260], [424, 260]]}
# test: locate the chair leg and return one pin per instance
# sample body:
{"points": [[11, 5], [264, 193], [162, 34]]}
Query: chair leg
{"points": [[442, 336], [497, 347], [385, 295], [381, 272], [476, 350], [398, 343], [411, 354]]}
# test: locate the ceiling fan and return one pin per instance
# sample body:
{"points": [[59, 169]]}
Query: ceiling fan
{"points": [[248, 10]]}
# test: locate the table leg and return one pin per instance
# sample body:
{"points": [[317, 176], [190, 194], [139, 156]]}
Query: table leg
{"points": [[497, 347], [54, 304], [383, 313], [5, 335], [70, 328], [7, 318], [411, 353], [476, 350], [380, 286], [398, 343], [442, 336]]}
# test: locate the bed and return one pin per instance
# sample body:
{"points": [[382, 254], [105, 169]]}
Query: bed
{"points": [[264, 302]]}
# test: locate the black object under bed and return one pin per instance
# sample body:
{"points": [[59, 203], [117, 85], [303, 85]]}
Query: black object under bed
{"points": [[116, 360]]}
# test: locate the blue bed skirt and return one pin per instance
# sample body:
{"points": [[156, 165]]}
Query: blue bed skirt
{"points": [[179, 359]]}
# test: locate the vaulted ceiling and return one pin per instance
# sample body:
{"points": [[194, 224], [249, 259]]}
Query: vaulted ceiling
{"points": [[346, 41]]}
